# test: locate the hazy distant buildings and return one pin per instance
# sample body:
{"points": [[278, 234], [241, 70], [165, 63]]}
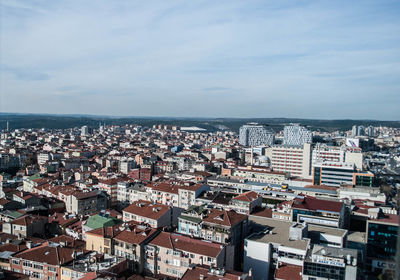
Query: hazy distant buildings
{"points": [[254, 134], [370, 131], [296, 135], [84, 131], [359, 130]]}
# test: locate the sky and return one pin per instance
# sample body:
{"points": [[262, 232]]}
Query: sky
{"points": [[295, 59]]}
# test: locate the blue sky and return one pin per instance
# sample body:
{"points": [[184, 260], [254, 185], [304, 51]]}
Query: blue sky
{"points": [[306, 59]]}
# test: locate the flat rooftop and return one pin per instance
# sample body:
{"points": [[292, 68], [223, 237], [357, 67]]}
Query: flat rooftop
{"points": [[356, 236], [268, 230], [327, 230]]}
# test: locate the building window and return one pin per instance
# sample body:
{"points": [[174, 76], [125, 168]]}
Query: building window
{"points": [[38, 266], [27, 264]]}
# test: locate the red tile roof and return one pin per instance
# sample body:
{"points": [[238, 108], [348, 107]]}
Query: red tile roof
{"points": [[68, 241], [107, 232], [136, 235], [225, 218], [389, 219], [147, 209], [48, 254], [288, 272], [312, 203], [262, 212], [187, 244], [27, 220], [247, 196]]}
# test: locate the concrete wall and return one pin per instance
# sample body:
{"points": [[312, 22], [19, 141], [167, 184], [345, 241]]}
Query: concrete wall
{"points": [[257, 257]]}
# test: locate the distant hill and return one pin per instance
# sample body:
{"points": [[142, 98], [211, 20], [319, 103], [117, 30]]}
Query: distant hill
{"points": [[211, 124]]}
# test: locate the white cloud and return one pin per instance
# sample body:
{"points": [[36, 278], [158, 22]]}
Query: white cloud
{"points": [[100, 56]]}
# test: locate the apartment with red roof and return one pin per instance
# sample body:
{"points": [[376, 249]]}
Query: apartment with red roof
{"points": [[318, 211], [246, 202], [172, 254], [229, 228], [154, 214], [130, 244], [44, 261]]}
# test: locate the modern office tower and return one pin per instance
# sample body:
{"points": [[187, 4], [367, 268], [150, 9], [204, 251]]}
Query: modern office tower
{"points": [[84, 131], [293, 159], [254, 134], [382, 232], [296, 135]]}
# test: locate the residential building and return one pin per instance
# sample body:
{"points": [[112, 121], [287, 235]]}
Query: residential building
{"points": [[42, 262], [26, 226], [80, 202], [246, 202], [296, 135], [229, 228], [126, 165], [130, 244], [154, 214], [172, 254], [253, 134], [110, 186], [102, 239]]}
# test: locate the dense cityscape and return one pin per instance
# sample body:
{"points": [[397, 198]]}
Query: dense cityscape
{"points": [[199, 140], [170, 202]]}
